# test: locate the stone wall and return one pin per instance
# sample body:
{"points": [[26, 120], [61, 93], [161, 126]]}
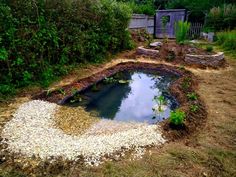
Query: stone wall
{"points": [[206, 60]]}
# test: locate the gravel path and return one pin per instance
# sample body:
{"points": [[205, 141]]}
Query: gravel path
{"points": [[32, 131]]}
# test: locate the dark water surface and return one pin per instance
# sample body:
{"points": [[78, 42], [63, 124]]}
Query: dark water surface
{"points": [[129, 96]]}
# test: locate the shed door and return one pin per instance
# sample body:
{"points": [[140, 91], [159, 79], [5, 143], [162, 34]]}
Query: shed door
{"points": [[167, 20]]}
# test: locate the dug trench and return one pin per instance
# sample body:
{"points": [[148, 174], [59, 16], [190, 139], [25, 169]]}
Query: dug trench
{"points": [[185, 84]]}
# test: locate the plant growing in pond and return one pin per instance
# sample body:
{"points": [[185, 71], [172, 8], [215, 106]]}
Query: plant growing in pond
{"points": [[194, 108], [209, 48], [192, 96], [160, 106], [109, 80], [181, 31], [76, 98], [177, 117], [94, 88]]}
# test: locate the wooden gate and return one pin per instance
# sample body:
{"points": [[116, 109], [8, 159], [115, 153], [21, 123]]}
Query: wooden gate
{"points": [[165, 22]]}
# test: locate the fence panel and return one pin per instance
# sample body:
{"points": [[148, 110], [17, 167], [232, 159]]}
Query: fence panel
{"points": [[141, 21], [195, 30]]}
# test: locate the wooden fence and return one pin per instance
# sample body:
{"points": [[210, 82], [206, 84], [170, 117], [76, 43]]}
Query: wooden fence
{"points": [[141, 21], [195, 30]]}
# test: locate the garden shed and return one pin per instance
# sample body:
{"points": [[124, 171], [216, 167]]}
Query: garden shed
{"points": [[165, 22]]}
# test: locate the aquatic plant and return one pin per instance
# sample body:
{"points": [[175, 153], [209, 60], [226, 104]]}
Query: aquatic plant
{"points": [[177, 117], [160, 106]]}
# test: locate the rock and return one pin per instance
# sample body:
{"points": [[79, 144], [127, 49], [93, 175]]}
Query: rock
{"points": [[156, 44], [147, 52]]}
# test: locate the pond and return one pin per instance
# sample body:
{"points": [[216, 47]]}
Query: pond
{"points": [[140, 96]]}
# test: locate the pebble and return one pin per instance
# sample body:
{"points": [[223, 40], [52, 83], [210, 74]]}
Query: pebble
{"points": [[32, 132]]}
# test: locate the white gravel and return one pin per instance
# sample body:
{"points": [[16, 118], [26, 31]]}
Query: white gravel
{"points": [[32, 132]]}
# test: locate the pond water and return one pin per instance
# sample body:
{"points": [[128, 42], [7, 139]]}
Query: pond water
{"points": [[129, 96]]}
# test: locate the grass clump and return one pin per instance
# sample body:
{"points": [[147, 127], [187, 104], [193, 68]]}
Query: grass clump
{"points": [[209, 48], [181, 31], [227, 40], [177, 117]]}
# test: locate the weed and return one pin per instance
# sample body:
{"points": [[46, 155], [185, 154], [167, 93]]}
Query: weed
{"points": [[194, 108], [177, 117], [192, 96], [170, 56], [186, 83]]}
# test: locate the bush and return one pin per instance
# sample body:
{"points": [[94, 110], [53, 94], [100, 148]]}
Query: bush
{"points": [[220, 18], [41, 40], [181, 31], [177, 117], [141, 7], [227, 40]]}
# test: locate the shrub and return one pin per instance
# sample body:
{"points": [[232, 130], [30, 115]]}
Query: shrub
{"points": [[41, 40], [177, 117], [227, 39], [181, 31]]}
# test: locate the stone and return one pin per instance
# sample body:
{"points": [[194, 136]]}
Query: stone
{"points": [[156, 44], [147, 52]]}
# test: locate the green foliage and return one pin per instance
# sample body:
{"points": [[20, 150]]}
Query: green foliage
{"points": [[197, 8], [41, 40], [192, 96], [222, 17], [209, 48], [141, 6], [181, 31], [194, 108], [227, 40], [177, 117]]}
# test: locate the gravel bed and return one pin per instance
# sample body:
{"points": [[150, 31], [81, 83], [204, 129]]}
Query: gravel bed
{"points": [[32, 132]]}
